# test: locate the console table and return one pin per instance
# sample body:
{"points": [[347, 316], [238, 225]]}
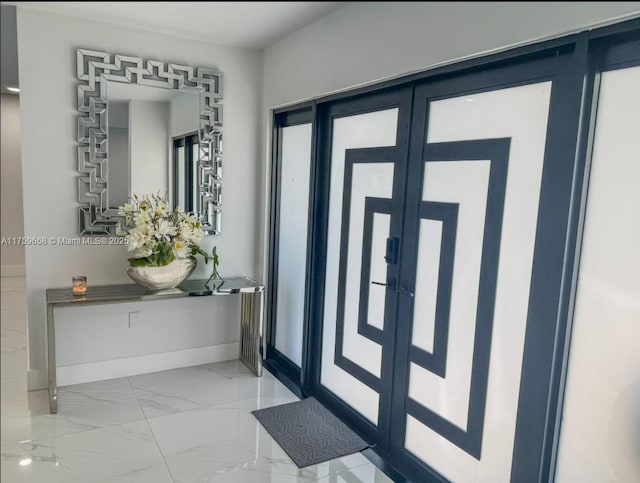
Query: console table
{"points": [[251, 309]]}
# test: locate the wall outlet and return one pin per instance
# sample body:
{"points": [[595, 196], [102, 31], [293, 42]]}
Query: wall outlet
{"points": [[134, 319]]}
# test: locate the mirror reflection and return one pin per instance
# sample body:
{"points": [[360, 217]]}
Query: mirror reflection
{"points": [[152, 143]]}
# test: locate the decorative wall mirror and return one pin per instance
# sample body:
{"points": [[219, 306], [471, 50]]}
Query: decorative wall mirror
{"points": [[146, 126]]}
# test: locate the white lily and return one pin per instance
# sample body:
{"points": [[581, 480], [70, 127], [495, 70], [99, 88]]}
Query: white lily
{"points": [[181, 248], [164, 230]]}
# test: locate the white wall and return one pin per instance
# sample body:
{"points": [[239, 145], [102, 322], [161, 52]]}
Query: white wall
{"points": [[185, 112], [119, 172], [148, 137], [11, 188], [365, 41], [118, 139], [47, 45]]}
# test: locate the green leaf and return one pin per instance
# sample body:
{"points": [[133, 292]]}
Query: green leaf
{"points": [[196, 250], [216, 261], [139, 262], [165, 255]]}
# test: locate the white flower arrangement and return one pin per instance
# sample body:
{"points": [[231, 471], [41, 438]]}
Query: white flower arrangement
{"points": [[156, 235]]}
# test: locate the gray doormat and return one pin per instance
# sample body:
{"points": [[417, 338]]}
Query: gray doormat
{"points": [[308, 432]]}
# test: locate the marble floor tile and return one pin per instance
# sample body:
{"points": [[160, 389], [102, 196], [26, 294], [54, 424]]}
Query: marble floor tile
{"points": [[100, 403], [232, 368], [126, 453], [81, 407], [191, 388], [197, 426], [367, 473], [225, 443]]}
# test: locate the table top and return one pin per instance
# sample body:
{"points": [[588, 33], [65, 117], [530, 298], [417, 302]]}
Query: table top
{"points": [[132, 292]]}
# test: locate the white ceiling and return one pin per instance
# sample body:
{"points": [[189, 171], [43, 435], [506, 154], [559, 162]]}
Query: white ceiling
{"points": [[239, 24]]}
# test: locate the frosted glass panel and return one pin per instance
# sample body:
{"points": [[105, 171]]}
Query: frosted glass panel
{"points": [[292, 259], [603, 378], [424, 307], [375, 312], [359, 131]]}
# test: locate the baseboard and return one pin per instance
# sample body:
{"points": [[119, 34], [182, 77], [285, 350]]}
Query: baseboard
{"points": [[12, 270], [132, 366]]}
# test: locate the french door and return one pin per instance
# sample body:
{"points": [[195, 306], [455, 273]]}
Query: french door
{"points": [[442, 214], [367, 142]]}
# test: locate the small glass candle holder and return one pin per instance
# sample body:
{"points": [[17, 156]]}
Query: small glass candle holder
{"points": [[79, 286]]}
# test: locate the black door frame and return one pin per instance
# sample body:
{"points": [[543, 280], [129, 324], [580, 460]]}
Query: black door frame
{"points": [[592, 51], [274, 360]]}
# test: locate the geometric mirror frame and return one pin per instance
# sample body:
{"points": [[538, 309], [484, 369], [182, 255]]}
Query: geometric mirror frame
{"points": [[94, 69]]}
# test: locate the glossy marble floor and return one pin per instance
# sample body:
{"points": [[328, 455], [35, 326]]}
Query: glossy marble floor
{"points": [[184, 425]]}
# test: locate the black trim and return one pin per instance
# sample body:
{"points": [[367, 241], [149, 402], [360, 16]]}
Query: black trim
{"points": [[497, 151], [371, 206], [285, 370], [307, 348], [447, 213], [618, 52], [611, 32], [272, 284], [318, 239], [353, 157], [289, 114]]}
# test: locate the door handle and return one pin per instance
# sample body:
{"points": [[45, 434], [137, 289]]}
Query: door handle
{"points": [[391, 284]]}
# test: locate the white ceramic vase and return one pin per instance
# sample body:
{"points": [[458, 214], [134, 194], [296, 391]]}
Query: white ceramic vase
{"points": [[159, 278]]}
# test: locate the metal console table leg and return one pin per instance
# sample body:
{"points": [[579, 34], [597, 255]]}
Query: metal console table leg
{"points": [[251, 307], [51, 360]]}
